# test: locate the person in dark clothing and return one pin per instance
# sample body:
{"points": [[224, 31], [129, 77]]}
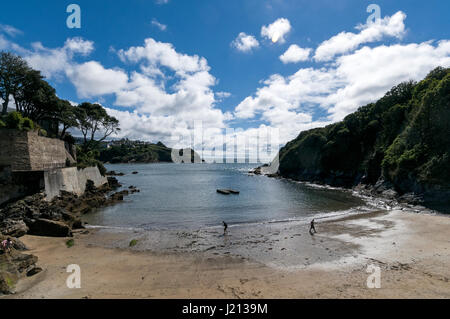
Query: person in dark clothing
{"points": [[225, 227], [312, 228]]}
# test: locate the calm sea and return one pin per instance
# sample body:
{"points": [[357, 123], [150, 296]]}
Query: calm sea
{"points": [[183, 196]]}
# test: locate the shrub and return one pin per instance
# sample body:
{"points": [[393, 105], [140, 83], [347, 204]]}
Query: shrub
{"points": [[133, 243], [70, 243], [2, 124], [27, 124], [101, 168], [14, 120]]}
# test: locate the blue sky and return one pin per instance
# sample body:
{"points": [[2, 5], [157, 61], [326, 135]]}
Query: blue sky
{"points": [[260, 89]]}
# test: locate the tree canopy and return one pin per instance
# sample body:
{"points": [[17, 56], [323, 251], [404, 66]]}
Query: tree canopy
{"points": [[36, 99], [93, 119]]}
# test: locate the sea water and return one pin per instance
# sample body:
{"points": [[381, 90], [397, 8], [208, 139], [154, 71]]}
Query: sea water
{"points": [[184, 197]]}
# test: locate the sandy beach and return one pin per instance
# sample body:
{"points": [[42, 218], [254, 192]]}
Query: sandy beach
{"points": [[412, 251]]}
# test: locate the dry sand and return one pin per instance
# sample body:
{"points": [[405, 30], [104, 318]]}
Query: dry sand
{"points": [[412, 251]]}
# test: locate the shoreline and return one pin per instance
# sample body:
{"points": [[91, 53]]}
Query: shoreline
{"points": [[412, 251], [386, 199]]}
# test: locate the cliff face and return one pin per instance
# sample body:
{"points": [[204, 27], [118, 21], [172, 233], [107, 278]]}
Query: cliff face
{"points": [[402, 141]]}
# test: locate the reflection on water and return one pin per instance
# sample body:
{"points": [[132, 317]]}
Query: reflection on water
{"points": [[175, 196]]}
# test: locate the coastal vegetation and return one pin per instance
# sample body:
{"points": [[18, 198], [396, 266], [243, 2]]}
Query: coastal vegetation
{"points": [[126, 151], [133, 242], [70, 243], [401, 141]]}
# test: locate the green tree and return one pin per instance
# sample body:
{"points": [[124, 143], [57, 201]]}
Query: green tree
{"points": [[37, 99], [93, 119], [12, 73], [67, 116]]}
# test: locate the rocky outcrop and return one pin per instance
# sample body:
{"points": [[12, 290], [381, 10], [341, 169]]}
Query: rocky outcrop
{"points": [[15, 265], [35, 216], [13, 228], [114, 173], [46, 227]]}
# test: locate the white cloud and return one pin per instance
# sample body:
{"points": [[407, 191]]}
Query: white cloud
{"points": [[92, 79], [155, 110], [306, 86], [295, 54], [53, 62], [159, 25], [277, 30], [352, 81], [164, 54], [4, 44], [245, 42], [370, 72], [78, 45], [347, 41], [174, 108], [10, 30]]}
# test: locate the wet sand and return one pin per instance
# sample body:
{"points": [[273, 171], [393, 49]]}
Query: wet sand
{"points": [[279, 260]]}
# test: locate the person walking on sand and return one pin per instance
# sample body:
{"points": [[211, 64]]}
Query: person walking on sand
{"points": [[225, 227], [312, 227], [6, 245]]}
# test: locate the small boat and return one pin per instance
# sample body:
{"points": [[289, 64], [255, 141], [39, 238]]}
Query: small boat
{"points": [[228, 191]]}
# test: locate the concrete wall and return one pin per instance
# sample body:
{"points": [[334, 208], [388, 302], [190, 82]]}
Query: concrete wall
{"points": [[27, 151], [71, 180]]}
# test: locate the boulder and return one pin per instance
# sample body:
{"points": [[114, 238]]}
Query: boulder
{"points": [[18, 245], [51, 228], [118, 196], [13, 266], [113, 182], [13, 228], [114, 173]]}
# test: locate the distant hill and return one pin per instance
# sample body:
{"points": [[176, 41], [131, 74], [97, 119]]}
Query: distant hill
{"points": [[126, 151], [402, 141]]}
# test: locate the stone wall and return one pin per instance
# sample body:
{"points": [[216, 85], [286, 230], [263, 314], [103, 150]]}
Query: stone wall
{"points": [[27, 151], [71, 180], [14, 149]]}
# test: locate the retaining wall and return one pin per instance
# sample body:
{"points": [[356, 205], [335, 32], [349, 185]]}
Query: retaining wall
{"points": [[71, 180], [27, 151]]}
